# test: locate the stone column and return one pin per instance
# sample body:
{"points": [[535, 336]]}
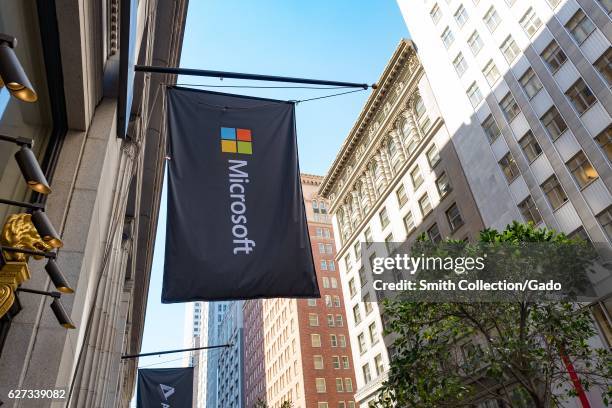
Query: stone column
{"points": [[386, 161], [401, 149]]}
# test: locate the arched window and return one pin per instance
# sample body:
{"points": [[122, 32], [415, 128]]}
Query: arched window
{"points": [[421, 115]]}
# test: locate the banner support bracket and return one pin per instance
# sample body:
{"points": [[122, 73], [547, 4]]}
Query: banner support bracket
{"points": [[239, 75]]}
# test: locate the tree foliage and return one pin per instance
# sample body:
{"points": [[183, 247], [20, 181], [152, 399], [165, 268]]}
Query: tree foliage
{"points": [[518, 351]]}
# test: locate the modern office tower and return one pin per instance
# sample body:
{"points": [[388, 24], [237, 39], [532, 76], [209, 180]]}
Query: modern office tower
{"points": [[396, 176], [216, 314], [254, 361], [298, 349], [230, 362], [524, 89], [196, 335]]}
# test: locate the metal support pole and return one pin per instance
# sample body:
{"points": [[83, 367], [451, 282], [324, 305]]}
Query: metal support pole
{"points": [[159, 353], [51, 255], [239, 75], [56, 295], [17, 140], [33, 206]]}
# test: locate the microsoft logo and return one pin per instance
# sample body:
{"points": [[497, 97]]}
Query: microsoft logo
{"points": [[235, 140]]}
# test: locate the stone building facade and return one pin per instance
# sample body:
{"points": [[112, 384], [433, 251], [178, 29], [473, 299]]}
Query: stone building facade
{"points": [[396, 176], [105, 191]]}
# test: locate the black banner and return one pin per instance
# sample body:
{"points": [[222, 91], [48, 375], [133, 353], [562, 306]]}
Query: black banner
{"points": [[236, 224], [165, 387]]}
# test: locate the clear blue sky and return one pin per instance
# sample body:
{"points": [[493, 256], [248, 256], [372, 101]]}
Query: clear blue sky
{"points": [[344, 40]]}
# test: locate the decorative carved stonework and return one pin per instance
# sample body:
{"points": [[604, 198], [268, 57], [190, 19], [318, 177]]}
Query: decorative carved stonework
{"points": [[18, 232]]}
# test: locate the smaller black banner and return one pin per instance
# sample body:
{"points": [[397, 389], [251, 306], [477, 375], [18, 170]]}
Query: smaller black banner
{"points": [[165, 388]]}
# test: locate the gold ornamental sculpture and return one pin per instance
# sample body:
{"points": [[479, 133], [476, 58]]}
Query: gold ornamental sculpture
{"points": [[18, 233]]}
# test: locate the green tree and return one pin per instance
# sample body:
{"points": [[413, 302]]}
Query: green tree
{"points": [[517, 351], [261, 403]]}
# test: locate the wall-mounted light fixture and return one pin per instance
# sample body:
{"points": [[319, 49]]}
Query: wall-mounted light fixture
{"points": [[56, 306], [12, 74], [30, 169]]}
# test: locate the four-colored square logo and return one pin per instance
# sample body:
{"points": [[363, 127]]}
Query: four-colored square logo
{"points": [[235, 140]]}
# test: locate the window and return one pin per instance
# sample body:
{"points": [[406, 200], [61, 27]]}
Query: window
{"points": [[443, 185], [530, 22], [318, 362], [348, 261], [342, 340], [328, 248], [454, 217], [554, 193], [509, 49], [323, 265], [509, 167], [579, 26], [328, 300], [604, 139], [313, 319], [336, 362], [367, 302], [348, 386], [320, 385], [582, 170], [421, 115], [416, 177], [474, 94], [368, 236], [553, 123], [333, 340], [384, 218], [345, 362], [606, 4], [604, 65], [490, 128], [312, 302], [425, 205], [339, 384], [321, 248], [491, 72], [336, 300], [447, 37], [433, 233], [475, 43], [339, 321], [605, 220], [530, 83], [362, 343], [461, 16], [553, 3], [402, 198], [602, 313], [491, 19], [435, 14], [367, 377], [331, 265], [509, 107], [553, 56], [460, 64], [529, 210], [315, 340], [580, 96], [433, 156], [378, 364], [330, 320], [409, 222], [530, 146], [389, 243], [362, 274], [357, 313], [357, 249]]}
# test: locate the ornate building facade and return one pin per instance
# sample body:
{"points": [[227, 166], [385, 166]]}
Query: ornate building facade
{"points": [[396, 176]]}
